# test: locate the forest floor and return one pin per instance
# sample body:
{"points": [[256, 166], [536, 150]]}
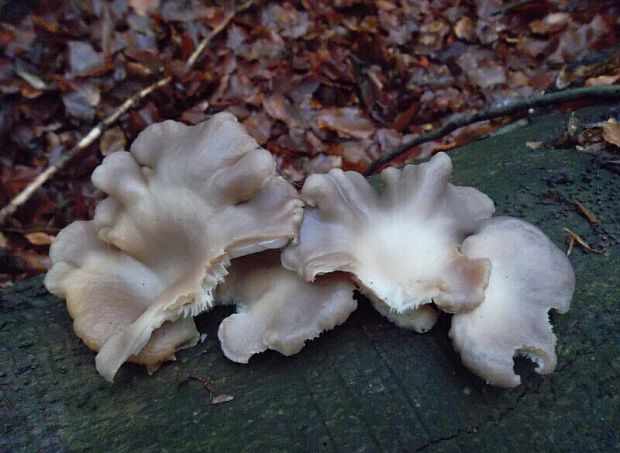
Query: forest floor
{"points": [[367, 385], [321, 84]]}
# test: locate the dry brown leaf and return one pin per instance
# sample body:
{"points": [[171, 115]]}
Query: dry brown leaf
{"points": [[279, 108], [112, 140], [138, 69], [83, 58], [402, 120], [81, 102], [259, 126], [603, 80], [611, 132], [219, 399], [40, 238], [346, 121], [465, 29], [534, 145], [142, 7], [551, 23], [446, 146], [35, 262]]}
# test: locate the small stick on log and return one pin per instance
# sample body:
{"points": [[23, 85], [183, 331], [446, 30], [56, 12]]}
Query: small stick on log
{"points": [[576, 239], [557, 97], [24, 195]]}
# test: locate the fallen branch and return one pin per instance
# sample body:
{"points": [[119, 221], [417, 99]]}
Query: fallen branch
{"points": [[24, 195], [557, 97]]}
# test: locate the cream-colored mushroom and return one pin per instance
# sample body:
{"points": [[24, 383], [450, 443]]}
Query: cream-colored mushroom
{"points": [[183, 202], [106, 290], [420, 320], [276, 309], [529, 276], [401, 245]]}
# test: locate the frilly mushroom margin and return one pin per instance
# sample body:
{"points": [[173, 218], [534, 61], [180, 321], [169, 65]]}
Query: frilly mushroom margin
{"points": [[276, 309], [132, 301], [422, 241], [181, 205], [530, 276], [401, 246]]}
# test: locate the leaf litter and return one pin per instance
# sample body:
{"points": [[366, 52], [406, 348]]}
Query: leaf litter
{"points": [[321, 84]]}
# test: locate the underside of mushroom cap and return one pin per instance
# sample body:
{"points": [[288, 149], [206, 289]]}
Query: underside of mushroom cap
{"points": [[276, 309], [529, 276], [401, 245], [183, 203], [107, 290], [420, 319]]}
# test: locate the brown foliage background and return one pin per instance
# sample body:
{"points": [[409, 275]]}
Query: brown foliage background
{"points": [[319, 83]]}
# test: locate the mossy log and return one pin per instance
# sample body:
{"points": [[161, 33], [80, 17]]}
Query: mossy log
{"points": [[365, 386]]}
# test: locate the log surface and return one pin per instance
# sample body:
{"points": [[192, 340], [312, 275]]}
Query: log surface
{"points": [[365, 386]]}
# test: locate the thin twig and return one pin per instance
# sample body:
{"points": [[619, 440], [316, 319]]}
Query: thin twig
{"points": [[557, 97], [576, 239], [94, 134], [589, 215], [23, 196], [196, 54]]}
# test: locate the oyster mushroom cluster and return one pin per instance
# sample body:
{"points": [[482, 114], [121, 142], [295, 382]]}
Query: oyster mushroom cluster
{"points": [[197, 216]]}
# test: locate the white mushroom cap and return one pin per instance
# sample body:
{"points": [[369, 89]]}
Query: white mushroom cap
{"points": [[529, 276], [107, 290], [183, 202], [402, 245], [276, 309]]}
